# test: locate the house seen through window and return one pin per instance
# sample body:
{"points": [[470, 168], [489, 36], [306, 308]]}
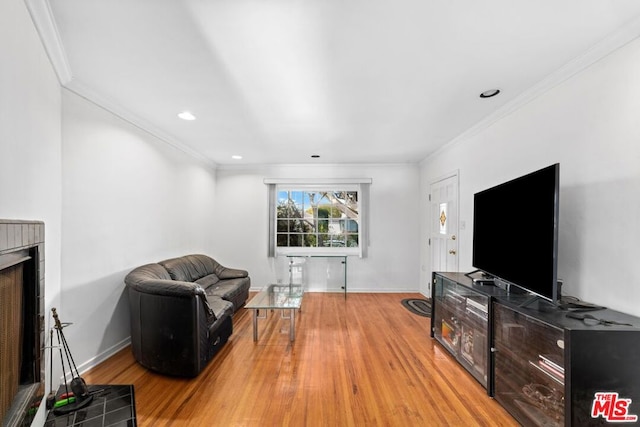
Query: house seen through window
{"points": [[318, 218]]}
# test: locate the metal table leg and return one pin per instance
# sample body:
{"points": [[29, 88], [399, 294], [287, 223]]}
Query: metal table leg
{"points": [[255, 325], [292, 325]]}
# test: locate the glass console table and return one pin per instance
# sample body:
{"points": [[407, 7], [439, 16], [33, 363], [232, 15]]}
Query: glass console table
{"points": [[342, 258], [277, 297]]}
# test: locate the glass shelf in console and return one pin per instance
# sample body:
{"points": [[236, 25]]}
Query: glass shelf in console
{"points": [[553, 369], [461, 322], [544, 364], [529, 367]]}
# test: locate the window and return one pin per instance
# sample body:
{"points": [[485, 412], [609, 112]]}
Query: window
{"points": [[317, 219]]}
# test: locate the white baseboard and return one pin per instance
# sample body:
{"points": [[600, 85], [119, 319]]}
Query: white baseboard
{"points": [[359, 291], [98, 359]]}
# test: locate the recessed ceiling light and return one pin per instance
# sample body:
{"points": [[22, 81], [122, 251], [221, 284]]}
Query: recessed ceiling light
{"points": [[489, 93], [315, 156], [186, 115], [236, 157]]}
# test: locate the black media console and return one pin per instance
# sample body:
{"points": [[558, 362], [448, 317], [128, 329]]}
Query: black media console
{"points": [[547, 365]]}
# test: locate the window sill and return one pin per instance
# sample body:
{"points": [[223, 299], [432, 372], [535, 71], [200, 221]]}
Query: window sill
{"points": [[305, 252]]}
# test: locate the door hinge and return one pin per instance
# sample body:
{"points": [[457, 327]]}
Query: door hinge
{"points": [[429, 241], [429, 197]]}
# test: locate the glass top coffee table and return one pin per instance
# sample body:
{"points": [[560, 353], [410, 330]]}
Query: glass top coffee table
{"points": [[277, 297]]}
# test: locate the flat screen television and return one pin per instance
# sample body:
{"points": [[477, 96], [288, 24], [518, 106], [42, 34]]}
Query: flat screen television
{"points": [[515, 232]]}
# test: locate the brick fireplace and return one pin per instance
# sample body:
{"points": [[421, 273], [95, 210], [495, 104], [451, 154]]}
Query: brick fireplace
{"points": [[22, 340]]}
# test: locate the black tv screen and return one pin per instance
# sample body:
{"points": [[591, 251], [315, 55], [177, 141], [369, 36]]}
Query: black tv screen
{"points": [[515, 231]]}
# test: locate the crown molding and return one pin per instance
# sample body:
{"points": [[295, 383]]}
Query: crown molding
{"points": [[107, 104], [597, 52], [42, 18], [45, 25], [266, 167], [270, 167], [317, 181]]}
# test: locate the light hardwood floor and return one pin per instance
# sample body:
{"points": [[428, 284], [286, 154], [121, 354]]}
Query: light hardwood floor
{"points": [[363, 361]]}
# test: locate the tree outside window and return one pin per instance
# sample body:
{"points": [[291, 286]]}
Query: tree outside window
{"points": [[317, 219]]}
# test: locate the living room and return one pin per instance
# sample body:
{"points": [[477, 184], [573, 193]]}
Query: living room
{"points": [[113, 196]]}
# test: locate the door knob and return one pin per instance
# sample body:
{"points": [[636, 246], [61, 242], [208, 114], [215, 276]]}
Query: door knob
{"points": [[453, 237], [452, 252]]}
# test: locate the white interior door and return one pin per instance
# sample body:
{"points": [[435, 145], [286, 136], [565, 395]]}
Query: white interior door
{"points": [[444, 224]]}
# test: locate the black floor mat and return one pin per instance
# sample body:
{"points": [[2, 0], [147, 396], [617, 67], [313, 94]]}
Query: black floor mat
{"points": [[421, 307]]}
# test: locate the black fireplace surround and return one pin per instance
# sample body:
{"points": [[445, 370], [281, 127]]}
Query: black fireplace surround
{"points": [[22, 265]]}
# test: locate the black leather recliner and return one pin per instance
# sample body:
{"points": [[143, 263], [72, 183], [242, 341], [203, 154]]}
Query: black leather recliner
{"points": [[178, 325]]}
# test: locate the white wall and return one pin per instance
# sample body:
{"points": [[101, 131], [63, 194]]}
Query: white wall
{"points": [[392, 264], [128, 199], [30, 138], [30, 141], [590, 124]]}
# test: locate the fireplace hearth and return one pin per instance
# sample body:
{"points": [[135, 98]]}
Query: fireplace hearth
{"points": [[22, 341]]}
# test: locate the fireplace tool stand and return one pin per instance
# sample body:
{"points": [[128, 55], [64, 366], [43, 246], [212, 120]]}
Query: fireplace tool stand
{"points": [[78, 397]]}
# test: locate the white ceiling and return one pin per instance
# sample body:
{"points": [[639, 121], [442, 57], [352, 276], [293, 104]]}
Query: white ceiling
{"points": [[355, 81]]}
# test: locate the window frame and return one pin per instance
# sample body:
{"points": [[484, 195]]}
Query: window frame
{"points": [[361, 186]]}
